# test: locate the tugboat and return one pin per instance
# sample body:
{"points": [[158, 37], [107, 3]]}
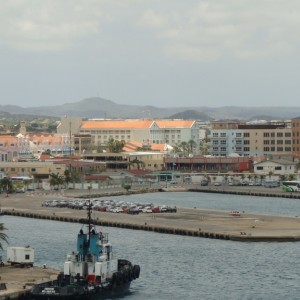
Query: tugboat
{"points": [[90, 273]]}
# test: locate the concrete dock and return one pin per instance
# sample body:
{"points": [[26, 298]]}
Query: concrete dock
{"points": [[18, 281], [194, 222]]}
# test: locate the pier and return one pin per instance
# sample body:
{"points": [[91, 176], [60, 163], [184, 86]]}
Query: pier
{"points": [[194, 222]]}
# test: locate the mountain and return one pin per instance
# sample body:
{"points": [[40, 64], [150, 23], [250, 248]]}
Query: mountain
{"points": [[191, 114], [103, 108]]}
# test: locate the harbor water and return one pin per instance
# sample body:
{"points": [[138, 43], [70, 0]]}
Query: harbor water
{"points": [[182, 267]]}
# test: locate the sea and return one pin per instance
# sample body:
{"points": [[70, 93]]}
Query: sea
{"points": [[182, 267]]}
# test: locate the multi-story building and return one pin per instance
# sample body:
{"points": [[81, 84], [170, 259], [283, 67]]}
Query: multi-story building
{"points": [[147, 132], [296, 136], [250, 140]]}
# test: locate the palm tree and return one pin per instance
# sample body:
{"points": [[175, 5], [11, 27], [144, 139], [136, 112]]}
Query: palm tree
{"points": [[255, 177], [184, 147], [270, 174], [291, 177], [262, 177], [3, 236], [6, 185], [136, 162], [115, 146], [192, 144], [282, 177], [56, 180], [68, 177]]}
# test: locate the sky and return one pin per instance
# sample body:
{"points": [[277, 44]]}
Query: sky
{"points": [[164, 53]]}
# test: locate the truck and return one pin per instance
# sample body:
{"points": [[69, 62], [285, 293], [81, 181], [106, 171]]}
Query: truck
{"points": [[23, 256]]}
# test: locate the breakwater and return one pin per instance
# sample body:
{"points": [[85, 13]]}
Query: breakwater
{"points": [[261, 193]]}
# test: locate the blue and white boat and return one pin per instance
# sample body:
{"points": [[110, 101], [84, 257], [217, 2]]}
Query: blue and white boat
{"points": [[92, 272]]}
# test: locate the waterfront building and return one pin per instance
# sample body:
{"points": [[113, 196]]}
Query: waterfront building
{"points": [[250, 139], [296, 136], [35, 169], [131, 160], [275, 167], [147, 132]]}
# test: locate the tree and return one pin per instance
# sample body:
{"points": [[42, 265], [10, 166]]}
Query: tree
{"points": [[126, 186], [203, 147], [6, 185], [270, 174], [115, 146], [68, 177], [184, 147], [262, 177], [136, 162], [192, 145], [255, 177], [3, 236], [282, 177], [56, 180], [291, 177]]}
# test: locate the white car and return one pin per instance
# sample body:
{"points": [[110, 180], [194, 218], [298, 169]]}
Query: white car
{"points": [[217, 184]]}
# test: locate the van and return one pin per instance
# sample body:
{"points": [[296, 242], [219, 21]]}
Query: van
{"points": [[204, 182]]}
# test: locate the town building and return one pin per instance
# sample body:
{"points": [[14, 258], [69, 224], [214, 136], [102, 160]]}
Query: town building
{"points": [[35, 169], [147, 132], [235, 138], [275, 167]]}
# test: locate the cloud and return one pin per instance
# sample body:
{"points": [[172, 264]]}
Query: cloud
{"points": [[47, 25], [191, 31], [243, 29]]}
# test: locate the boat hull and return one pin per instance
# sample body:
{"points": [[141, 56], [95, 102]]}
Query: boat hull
{"points": [[80, 293]]}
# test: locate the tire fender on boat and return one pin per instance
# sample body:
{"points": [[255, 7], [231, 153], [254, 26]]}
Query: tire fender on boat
{"points": [[136, 271]]}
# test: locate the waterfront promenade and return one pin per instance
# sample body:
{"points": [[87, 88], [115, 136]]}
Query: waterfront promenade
{"points": [[187, 221]]}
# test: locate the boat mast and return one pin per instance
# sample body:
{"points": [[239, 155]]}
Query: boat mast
{"points": [[89, 214]]}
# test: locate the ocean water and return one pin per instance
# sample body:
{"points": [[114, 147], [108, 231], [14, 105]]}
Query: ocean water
{"points": [[181, 267]]}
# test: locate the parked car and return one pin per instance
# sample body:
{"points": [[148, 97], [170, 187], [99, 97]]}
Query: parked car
{"points": [[204, 182], [217, 183]]}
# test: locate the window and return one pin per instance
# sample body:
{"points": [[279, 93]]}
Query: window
{"points": [[223, 142], [288, 149], [288, 134], [279, 149], [215, 134], [246, 148], [259, 168], [223, 134], [223, 149], [266, 142], [238, 134], [279, 134], [247, 134], [266, 134], [266, 149], [246, 142], [288, 142], [279, 142], [278, 168], [272, 134], [273, 149]]}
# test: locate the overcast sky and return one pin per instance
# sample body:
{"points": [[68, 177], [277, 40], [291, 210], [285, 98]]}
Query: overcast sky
{"points": [[164, 53]]}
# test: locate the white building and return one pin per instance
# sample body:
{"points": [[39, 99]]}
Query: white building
{"points": [[275, 167]]}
